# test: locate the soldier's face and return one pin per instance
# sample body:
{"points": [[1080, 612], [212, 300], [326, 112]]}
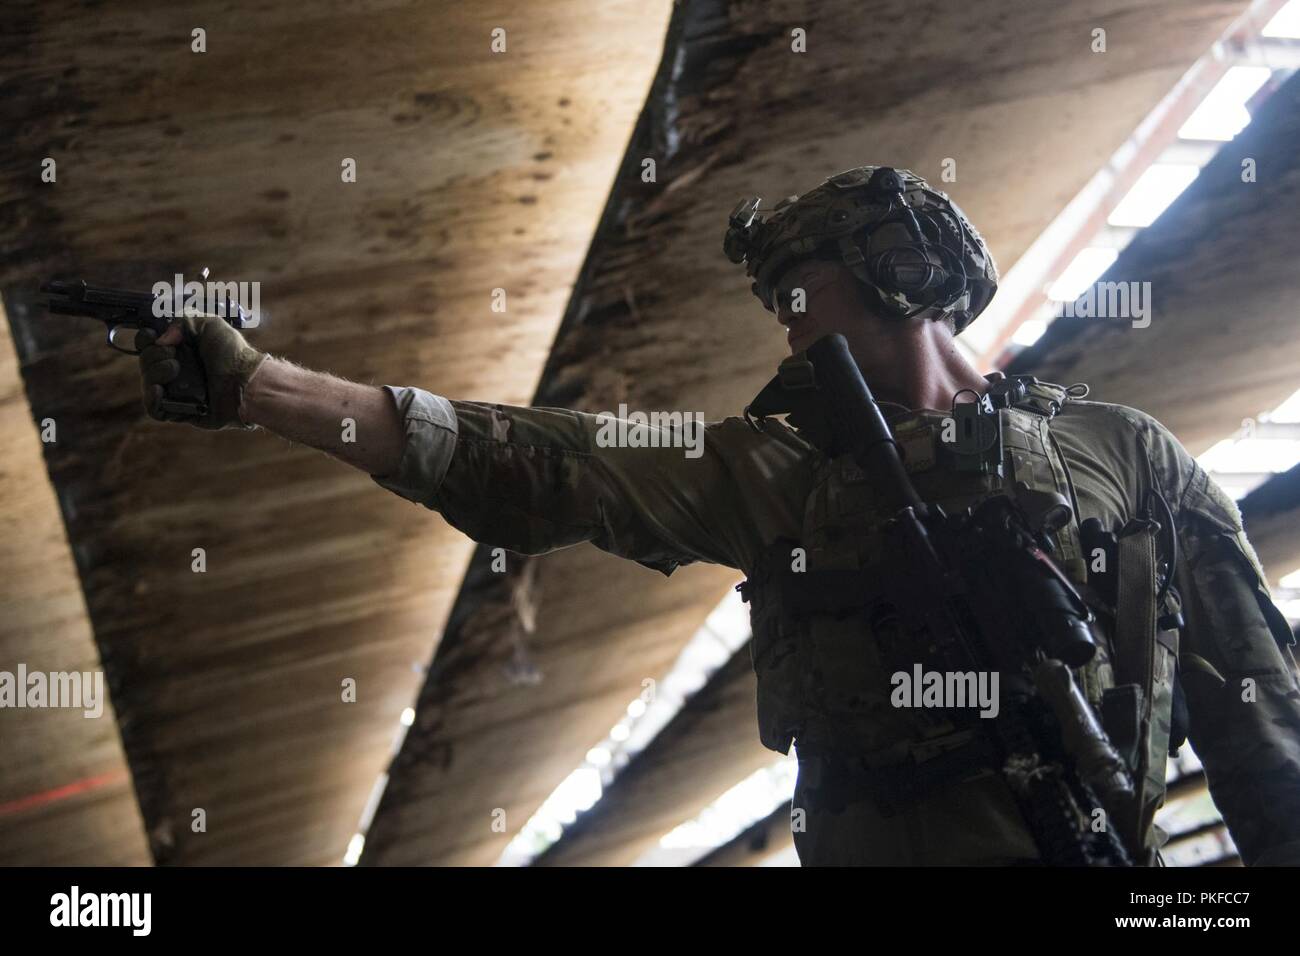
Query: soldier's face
{"points": [[816, 298]]}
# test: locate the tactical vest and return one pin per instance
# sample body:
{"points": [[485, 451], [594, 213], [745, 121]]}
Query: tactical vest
{"points": [[822, 679]]}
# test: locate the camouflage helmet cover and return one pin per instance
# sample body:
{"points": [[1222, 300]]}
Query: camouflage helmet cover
{"points": [[908, 243]]}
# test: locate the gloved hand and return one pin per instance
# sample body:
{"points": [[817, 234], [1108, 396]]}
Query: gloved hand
{"points": [[228, 363]]}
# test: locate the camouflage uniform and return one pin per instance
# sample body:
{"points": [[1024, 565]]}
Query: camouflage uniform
{"points": [[533, 480]]}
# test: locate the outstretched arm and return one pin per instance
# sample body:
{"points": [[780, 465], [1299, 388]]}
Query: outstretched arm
{"points": [[247, 388], [530, 480], [312, 408]]}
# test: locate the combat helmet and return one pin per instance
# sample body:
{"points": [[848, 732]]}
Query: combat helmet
{"points": [[909, 245]]}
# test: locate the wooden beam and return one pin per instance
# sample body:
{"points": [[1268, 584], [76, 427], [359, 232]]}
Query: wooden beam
{"points": [[475, 171], [65, 794]]}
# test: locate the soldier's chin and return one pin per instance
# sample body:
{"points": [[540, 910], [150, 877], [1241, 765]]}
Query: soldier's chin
{"points": [[800, 343]]}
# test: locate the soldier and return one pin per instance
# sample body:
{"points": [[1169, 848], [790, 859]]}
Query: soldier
{"points": [[878, 256]]}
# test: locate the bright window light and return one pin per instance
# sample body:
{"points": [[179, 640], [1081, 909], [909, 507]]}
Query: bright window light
{"points": [[1239, 465], [1187, 813], [353, 854], [1086, 269], [1030, 331], [1223, 114], [579, 791], [788, 856], [1151, 195], [749, 801], [1291, 581], [1287, 412], [1285, 24], [1290, 610], [1251, 455]]}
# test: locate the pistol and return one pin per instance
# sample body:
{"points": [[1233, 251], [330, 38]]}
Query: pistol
{"points": [[129, 311]]}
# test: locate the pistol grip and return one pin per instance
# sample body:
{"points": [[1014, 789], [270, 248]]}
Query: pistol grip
{"points": [[187, 393]]}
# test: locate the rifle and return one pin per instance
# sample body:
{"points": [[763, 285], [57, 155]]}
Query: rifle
{"points": [[187, 394], [977, 591]]}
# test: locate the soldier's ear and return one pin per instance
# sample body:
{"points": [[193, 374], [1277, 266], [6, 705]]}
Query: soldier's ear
{"points": [[815, 273]]}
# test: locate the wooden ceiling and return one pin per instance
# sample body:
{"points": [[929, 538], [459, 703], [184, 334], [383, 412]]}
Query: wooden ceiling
{"points": [[65, 793], [475, 171]]}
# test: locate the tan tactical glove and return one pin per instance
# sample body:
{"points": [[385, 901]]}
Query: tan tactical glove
{"points": [[201, 379]]}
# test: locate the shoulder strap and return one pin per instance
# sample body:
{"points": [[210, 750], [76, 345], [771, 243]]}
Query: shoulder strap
{"points": [[1136, 617]]}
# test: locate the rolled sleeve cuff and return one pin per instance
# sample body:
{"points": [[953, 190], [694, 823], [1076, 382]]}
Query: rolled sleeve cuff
{"points": [[430, 424]]}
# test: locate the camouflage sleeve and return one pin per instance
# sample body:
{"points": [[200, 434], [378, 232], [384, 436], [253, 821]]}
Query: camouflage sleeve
{"points": [[533, 480], [1238, 675]]}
